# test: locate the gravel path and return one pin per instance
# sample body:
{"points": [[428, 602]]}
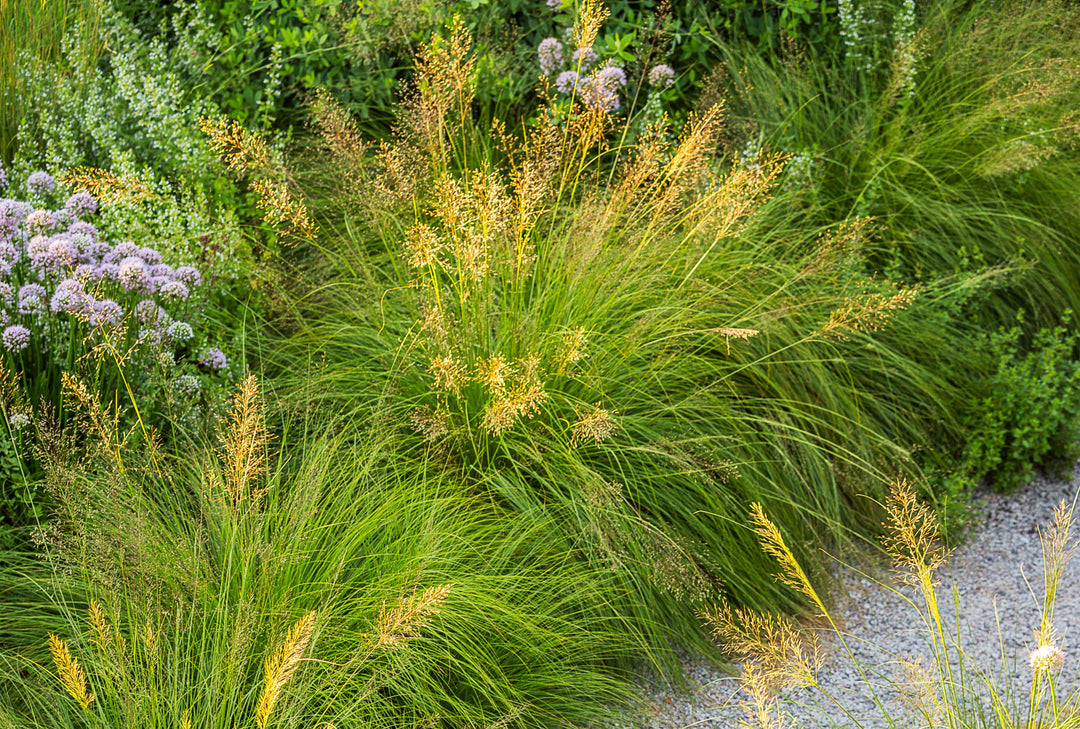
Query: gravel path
{"points": [[998, 578]]}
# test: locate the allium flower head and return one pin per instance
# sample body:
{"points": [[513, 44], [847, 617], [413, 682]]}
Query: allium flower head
{"points": [[18, 421], [566, 82], [32, 299], [162, 270], [187, 385], [149, 255], [662, 76], [61, 254], [40, 222], [3, 177], [554, 4], [214, 358], [15, 338], [612, 76], [9, 256], [81, 227], [124, 249], [40, 183], [70, 296], [1047, 657], [133, 274], [109, 272], [189, 275], [173, 290], [179, 331], [148, 312], [106, 313], [80, 204], [6, 292], [550, 52], [583, 59]]}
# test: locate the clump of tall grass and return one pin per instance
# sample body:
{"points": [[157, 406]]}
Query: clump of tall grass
{"points": [[592, 334], [239, 587], [953, 690]]}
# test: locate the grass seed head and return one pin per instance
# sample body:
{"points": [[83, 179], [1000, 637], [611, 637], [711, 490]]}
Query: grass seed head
{"points": [[395, 627], [282, 664], [72, 677]]}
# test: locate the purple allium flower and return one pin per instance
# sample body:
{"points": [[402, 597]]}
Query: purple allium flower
{"points": [[151, 336], [148, 312], [61, 254], [5, 318], [602, 94], [583, 59], [611, 76], [554, 4], [6, 292], [98, 250], [9, 256], [16, 338], [187, 385], [179, 331], [550, 52], [80, 204], [40, 222], [81, 227], [70, 296], [189, 275], [109, 272], [11, 216], [567, 82], [163, 270], [87, 273], [214, 358], [173, 291], [32, 299], [106, 312], [3, 178], [40, 183], [133, 274], [124, 249], [149, 255], [662, 76], [37, 250]]}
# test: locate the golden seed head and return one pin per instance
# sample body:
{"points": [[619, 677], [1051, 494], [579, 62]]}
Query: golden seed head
{"points": [[422, 245], [595, 424], [395, 627], [282, 664], [448, 372], [72, 677], [106, 186]]}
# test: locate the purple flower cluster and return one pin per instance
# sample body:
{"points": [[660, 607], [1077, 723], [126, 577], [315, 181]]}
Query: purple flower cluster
{"points": [[662, 76], [567, 82], [54, 264], [40, 183], [213, 358], [554, 4], [550, 52], [583, 59], [3, 177], [15, 338]]}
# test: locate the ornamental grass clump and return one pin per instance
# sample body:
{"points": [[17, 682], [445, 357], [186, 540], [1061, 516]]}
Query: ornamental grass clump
{"points": [[589, 334], [229, 585], [953, 689]]}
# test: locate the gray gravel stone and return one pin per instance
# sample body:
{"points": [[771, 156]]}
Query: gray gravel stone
{"points": [[997, 580]]}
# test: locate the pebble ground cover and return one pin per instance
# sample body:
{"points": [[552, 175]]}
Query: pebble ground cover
{"points": [[440, 364]]}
